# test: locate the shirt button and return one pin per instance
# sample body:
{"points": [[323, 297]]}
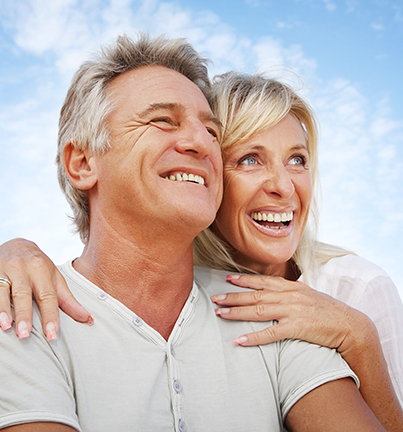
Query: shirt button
{"points": [[172, 350], [137, 321], [102, 296], [182, 426], [177, 386]]}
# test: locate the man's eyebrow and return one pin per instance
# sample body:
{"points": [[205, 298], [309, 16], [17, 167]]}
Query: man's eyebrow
{"points": [[171, 106], [207, 116], [174, 106]]}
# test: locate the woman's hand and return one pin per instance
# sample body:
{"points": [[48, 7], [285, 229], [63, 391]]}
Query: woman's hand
{"points": [[301, 312], [32, 273]]}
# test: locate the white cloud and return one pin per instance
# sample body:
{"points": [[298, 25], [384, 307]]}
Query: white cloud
{"points": [[377, 26], [330, 6]]}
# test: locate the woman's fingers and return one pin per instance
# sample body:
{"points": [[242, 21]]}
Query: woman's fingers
{"points": [[259, 312], [260, 282], [270, 334], [6, 318], [21, 293], [69, 304], [32, 273], [241, 298]]}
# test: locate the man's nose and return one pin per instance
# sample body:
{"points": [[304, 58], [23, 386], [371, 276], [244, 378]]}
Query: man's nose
{"points": [[279, 182], [196, 139]]}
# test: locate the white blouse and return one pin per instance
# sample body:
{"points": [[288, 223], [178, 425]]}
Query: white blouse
{"points": [[367, 288]]}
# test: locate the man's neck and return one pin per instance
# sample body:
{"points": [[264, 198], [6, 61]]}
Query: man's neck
{"points": [[153, 281]]}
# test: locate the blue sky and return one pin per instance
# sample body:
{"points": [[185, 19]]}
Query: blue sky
{"points": [[349, 55]]}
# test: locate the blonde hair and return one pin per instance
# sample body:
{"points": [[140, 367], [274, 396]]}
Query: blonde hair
{"points": [[245, 105], [87, 104]]}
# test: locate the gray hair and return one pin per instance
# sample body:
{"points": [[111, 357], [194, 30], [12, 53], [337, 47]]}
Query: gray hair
{"points": [[245, 105], [87, 104]]}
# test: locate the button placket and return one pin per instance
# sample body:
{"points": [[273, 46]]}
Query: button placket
{"points": [[137, 321], [182, 426]]}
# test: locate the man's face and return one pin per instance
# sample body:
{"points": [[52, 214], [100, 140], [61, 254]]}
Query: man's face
{"points": [[164, 168]]}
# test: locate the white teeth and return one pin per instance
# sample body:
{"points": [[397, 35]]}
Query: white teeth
{"points": [[186, 177], [273, 217]]}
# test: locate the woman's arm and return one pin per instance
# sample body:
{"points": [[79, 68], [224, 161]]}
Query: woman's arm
{"points": [[31, 272], [304, 313]]}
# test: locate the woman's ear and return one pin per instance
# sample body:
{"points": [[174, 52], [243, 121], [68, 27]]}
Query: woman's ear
{"points": [[80, 167]]}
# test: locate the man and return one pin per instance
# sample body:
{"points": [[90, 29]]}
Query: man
{"points": [[158, 358]]}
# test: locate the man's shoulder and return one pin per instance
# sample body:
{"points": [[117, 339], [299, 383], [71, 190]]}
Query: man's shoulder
{"points": [[214, 281]]}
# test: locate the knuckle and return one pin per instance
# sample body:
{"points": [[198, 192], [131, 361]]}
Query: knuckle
{"points": [[260, 310], [258, 296], [46, 296], [21, 292], [265, 336], [37, 262]]}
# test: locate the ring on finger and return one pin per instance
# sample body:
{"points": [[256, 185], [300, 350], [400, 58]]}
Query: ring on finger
{"points": [[5, 281]]}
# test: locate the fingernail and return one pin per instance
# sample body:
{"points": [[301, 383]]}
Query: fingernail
{"points": [[22, 330], [5, 323], [231, 277], [51, 331], [90, 320], [240, 340], [218, 297], [222, 311]]}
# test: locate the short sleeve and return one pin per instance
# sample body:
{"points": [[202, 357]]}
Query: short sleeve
{"points": [[303, 367], [34, 383]]}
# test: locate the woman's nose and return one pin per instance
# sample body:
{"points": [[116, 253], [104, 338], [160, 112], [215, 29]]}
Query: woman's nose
{"points": [[278, 182]]}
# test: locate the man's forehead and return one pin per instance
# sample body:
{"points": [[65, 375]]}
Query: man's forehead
{"points": [[146, 80], [148, 89]]}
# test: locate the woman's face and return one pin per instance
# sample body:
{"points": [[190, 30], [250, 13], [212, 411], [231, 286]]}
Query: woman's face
{"points": [[267, 193]]}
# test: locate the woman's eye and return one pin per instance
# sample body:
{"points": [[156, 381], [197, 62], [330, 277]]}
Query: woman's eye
{"points": [[212, 132], [298, 160], [248, 160]]}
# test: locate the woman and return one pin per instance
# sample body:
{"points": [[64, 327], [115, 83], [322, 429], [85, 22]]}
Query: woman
{"points": [[270, 172]]}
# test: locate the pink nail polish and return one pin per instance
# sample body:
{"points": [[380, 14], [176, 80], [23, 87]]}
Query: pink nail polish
{"points": [[5, 323], [240, 340], [218, 297], [232, 277], [90, 320], [51, 331], [22, 330]]}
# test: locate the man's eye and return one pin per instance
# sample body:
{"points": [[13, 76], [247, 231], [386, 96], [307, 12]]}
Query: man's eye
{"points": [[161, 119], [248, 160]]}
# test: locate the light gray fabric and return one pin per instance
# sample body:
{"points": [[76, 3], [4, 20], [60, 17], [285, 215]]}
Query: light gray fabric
{"points": [[367, 288], [121, 375]]}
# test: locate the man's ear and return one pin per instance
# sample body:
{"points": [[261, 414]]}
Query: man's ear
{"points": [[80, 167]]}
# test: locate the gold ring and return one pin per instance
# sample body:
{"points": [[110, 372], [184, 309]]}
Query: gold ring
{"points": [[5, 281]]}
